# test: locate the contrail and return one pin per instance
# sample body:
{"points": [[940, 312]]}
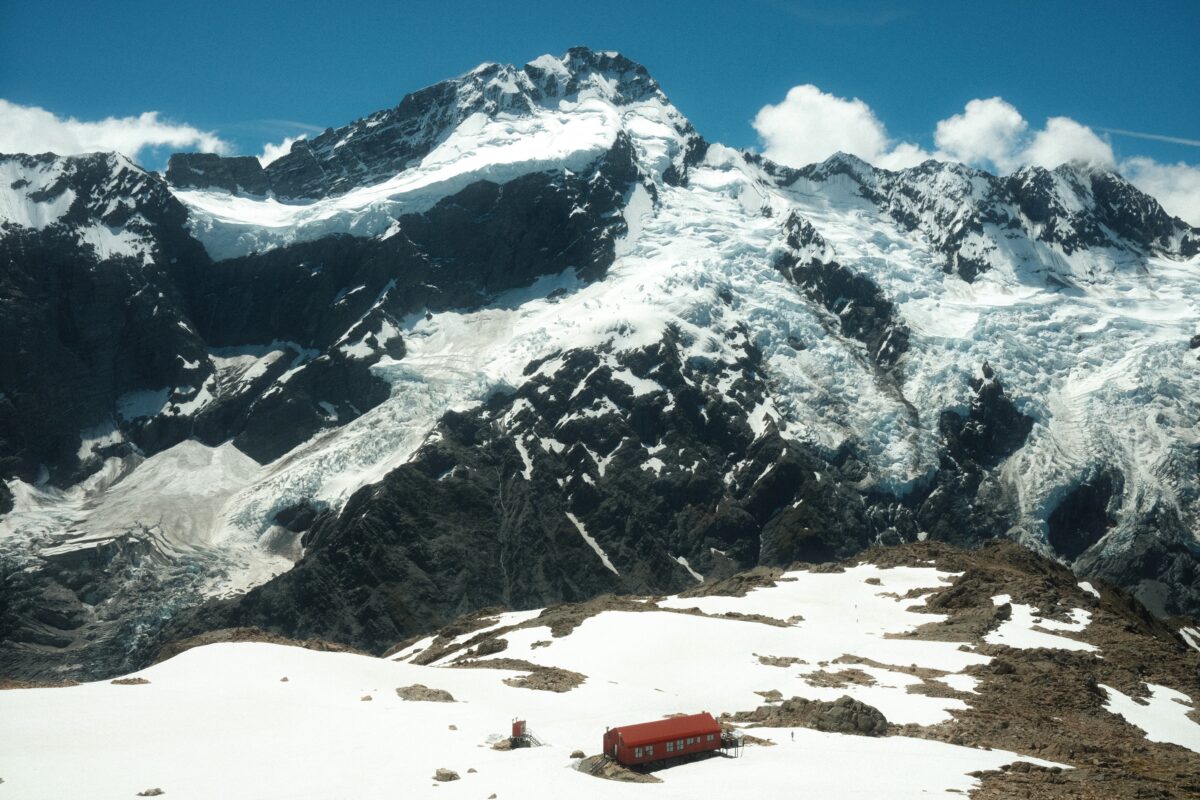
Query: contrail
{"points": [[304, 126], [1158, 137]]}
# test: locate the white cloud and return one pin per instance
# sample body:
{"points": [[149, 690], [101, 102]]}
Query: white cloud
{"points": [[273, 151], [811, 125], [903, 156], [29, 129], [1175, 186], [988, 131], [1063, 139]]}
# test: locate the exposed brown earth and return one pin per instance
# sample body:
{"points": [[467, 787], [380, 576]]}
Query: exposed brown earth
{"points": [[604, 767], [839, 679], [8, 683], [780, 661], [564, 618], [738, 585], [546, 679], [249, 635], [1047, 702]]}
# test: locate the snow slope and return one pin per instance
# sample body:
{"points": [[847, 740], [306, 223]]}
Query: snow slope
{"points": [[219, 721], [481, 148], [97, 197], [1163, 716]]}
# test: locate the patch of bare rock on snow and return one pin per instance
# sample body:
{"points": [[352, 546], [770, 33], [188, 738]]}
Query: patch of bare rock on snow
{"points": [[844, 715], [422, 693]]}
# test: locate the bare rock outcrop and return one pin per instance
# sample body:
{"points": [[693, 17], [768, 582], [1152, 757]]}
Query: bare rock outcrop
{"points": [[844, 715], [419, 692]]}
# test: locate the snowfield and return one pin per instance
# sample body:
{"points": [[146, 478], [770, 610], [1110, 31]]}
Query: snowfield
{"points": [[1163, 716], [219, 721], [262, 721], [497, 149]]}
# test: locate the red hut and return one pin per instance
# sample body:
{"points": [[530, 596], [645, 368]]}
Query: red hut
{"points": [[666, 738]]}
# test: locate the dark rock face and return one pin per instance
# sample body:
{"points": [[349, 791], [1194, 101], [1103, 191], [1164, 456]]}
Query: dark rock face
{"points": [[81, 332], [211, 171], [79, 335], [300, 516], [1085, 514], [506, 236], [108, 188], [382, 144], [1161, 567], [1135, 217], [326, 296], [993, 428], [490, 512], [859, 307], [964, 503]]}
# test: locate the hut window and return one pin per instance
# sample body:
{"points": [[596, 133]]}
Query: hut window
{"points": [[650, 750], [637, 752], [670, 747]]}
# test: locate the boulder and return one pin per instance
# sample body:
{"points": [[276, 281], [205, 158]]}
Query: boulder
{"points": [[844, 715], [422, 693]]}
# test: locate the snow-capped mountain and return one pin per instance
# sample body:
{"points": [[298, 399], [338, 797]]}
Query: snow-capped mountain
{"points": [[527, 337]]}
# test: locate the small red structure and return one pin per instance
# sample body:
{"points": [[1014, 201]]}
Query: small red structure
{"points": [[518, 729], [663, 739]]}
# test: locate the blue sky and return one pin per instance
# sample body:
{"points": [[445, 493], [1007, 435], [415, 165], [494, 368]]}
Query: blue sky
{"points": [[256, 71]]}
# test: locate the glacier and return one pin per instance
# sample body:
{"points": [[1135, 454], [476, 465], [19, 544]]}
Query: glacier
{"points": [[1036, 277]]}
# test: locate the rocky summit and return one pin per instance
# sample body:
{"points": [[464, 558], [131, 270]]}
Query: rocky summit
{"points": [[527, 337]]}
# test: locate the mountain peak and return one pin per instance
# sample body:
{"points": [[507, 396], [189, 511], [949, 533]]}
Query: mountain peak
{"points": [[387, 142]]}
